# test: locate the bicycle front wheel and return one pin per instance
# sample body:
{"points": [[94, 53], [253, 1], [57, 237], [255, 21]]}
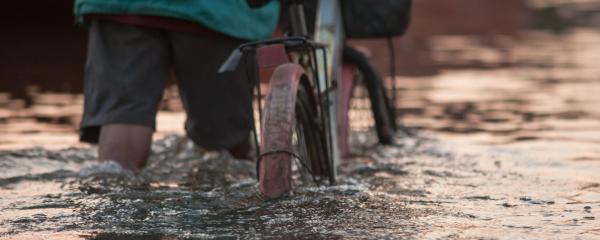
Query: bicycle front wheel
{"points": [[293, 145]]}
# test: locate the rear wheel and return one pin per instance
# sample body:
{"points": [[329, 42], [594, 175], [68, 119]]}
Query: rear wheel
{"points": [[361, 74], [293, 145]]}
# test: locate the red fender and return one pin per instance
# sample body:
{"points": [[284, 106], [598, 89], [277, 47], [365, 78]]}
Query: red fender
{"points": [[276, 131], [283, 88]]}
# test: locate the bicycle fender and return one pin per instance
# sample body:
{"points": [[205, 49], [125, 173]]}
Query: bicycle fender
{"points": [[282, 96]]}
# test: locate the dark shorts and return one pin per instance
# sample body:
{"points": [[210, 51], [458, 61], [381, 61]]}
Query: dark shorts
{"points": [[127, 69]]}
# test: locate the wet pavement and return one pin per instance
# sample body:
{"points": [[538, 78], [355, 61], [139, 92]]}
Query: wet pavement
{"points": [[507, 150]]}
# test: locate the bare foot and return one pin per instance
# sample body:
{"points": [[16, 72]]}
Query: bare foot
{"points": [[104, 168], [129, 165]]}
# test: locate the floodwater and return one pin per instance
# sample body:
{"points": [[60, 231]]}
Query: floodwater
{"points": [[505, 152]]}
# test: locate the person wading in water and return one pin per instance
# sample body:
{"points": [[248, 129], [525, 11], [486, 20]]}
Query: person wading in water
{"points": [[135, 44]]}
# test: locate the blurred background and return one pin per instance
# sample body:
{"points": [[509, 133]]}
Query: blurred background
{"points": [[486, 71]]}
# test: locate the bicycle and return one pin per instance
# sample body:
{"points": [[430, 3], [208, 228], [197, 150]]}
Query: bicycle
{"points": [[311, 79]]}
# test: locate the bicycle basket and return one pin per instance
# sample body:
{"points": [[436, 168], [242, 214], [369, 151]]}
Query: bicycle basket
{"points": [[375, 18]]}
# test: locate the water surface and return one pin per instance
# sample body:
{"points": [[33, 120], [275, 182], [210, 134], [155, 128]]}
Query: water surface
{"points": [[510, 150]]}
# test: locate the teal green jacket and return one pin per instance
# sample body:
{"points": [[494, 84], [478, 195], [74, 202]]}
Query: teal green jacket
{"points": [[231, 17]]}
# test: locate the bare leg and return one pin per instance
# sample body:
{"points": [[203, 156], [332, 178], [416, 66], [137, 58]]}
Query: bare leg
{"points": [[242, 151], [128, 145]]}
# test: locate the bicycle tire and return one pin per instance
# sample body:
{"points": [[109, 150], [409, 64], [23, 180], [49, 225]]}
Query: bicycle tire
{"points": [[381, 106], [289, 115]]}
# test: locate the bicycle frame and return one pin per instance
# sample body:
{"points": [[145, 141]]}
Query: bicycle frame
{"points": [[329, 31], [321, 58]]}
